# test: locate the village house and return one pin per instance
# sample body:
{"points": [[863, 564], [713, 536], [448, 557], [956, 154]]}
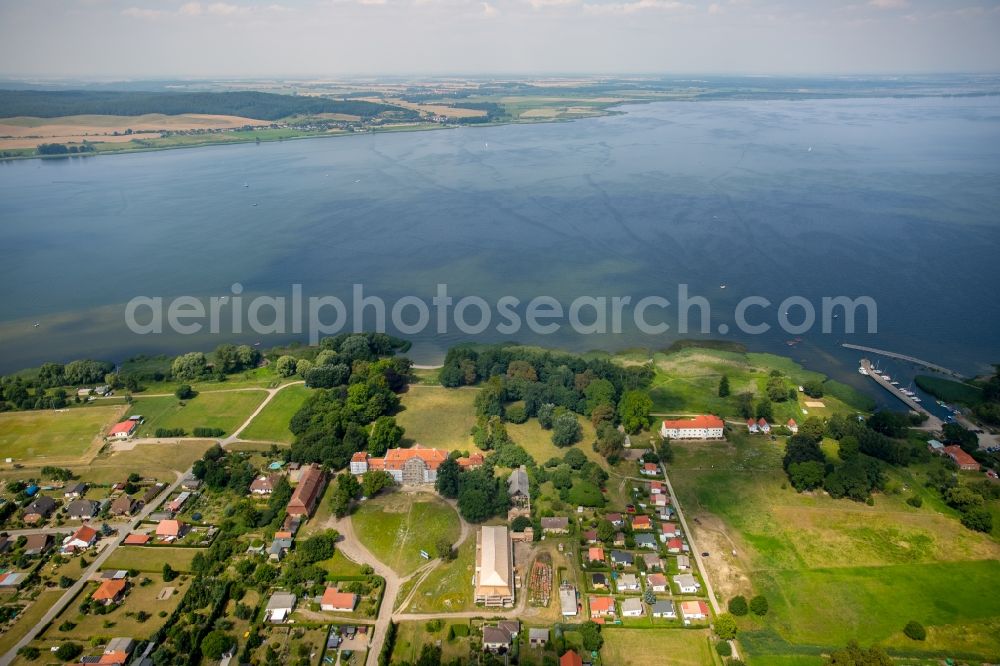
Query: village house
{"points": [[763, 426], [169, 530], [599, 581], [664, 609], [694, 610], [82, 509], [622, 558], [555, 525], [178, 502], [752, 426], [279, 607], [190, 483], [153, 492], [705, 426], [650, 469], [961, 458], [36, 544], [335, 601], [496, 639], [669, 530], [645, 541], [110, 591], [471, 462], [279, 548], [595, 554], [642, 523], [683, 562], [307, 492], [657, 488], [83, 538], [74, 490], [675, 545], [590, 536], [517, 488], [11, 579], [570, 658], [616, 519], [117, 651], [123, 430], [123, 505], [652, 561], [567, 600], [657, 582], [39, 510], [687, 584], [538, 637], [136, 539], [660, 500], [264, 485], [792, 426], [628, 583], [619, 539], [632, 607], [602, 606]]}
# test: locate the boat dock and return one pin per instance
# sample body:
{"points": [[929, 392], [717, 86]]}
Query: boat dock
{"points": [[932, 422], [904, 357]]}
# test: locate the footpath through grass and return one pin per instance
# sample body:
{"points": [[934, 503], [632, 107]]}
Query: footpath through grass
{"points": [[225, 410], [395, 527], [271, 425]]}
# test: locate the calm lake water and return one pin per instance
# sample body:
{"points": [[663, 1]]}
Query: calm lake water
{"points": [[894, 199]]}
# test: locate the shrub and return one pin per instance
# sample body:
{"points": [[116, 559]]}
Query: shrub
{"points": [[725, 626], [184, 392], [914, 630], [738, 606], [758, 605], [29, 652], [68, 651], [516, 414], [459, 630], [915, 501], [724, 648]]}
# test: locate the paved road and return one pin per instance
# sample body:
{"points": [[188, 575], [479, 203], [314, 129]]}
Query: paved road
{"points": [[110, 547], [68, 528]]}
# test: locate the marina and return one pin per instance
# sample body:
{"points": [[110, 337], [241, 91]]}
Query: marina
{"points": [[908, 397]]}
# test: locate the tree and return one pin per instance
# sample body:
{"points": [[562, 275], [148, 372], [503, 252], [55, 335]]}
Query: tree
{"points": [[444, 549], [374, 481], [764, 410], [29, 652], [347, 489], [517, 414], [664, 451], [599, 392], [520, 524], [68, 651], [566, 429], [725, 627], [184, 392], [915, 631], [605, 530], [546, 414], [286, 366], [724, 386], [603, 414], [216, 643], [448, 478], [649, 596], [610, 442], [575, 458], [806, 475], [854, 655], [168, 573], [758, 605], [633, 410], [738, 605], [979, 519], [591, 634], [189, 366], [489, 401], [385, 435]]}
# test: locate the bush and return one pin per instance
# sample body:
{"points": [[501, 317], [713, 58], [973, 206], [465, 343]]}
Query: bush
{"points": [[517, 414], [68, 651], [915, 501], [208, 432], [758, 605], [29, 652], [170, 432], [185, 392], [915, 631], [724, 648], [738, 606], [725, 626]]}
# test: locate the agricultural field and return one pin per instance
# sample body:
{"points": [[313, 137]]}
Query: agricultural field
{"points": [[161, 461], [638, 647], [877, 567], [155, 599], [271, 425], [55, 436], [226, 410], [438, 417], [412, 636], [395, 527], [448, 588], [150, 559]]}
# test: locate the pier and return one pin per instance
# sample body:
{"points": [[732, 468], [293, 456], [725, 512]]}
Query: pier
{"points": [[904, 357], [932, 422]]}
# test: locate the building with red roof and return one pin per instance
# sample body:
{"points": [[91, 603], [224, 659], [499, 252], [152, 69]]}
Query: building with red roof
{"points": [[595, 554], [961, 458], [169, 529], [83, 538], [792, 426], [333, 600], [123, 430], [642, 523], [416, 465], [600, 606], [571, 658], [307, 492], [705, 426], [110, 591], [136, 539]]}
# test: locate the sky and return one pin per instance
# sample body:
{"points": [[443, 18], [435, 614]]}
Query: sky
{"points": [[131, 39]]}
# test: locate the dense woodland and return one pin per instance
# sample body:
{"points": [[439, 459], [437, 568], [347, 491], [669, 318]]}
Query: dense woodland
{"points": [[257, 105]]}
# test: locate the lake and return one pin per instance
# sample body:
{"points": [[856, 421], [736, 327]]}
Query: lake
{"points": [[896, 199]]}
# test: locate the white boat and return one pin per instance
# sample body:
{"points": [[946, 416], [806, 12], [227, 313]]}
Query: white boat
{"points": [[863, 371], [886, 377]]}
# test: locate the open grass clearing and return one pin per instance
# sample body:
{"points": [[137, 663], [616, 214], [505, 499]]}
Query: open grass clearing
{"points": [[51, 436], [225, 410], [538, 442], [396, 526], [448, 588], [412, 636], [438, 417], [151, 559], [29, 617], [638, 647], [271, 425]]}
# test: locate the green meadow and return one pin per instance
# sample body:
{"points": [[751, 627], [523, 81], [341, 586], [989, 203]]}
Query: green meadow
{"points": [[226, 410], [271, 425]]}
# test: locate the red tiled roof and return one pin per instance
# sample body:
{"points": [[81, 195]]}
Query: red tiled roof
{"points": [[360, 456], [641, 522], [602, 604], [702, 421], [656, 579], [761, 421], [675, 543], [595, 554], [136, 539], [791, 423], [571, 658], [331, 597], [168, 528], [116, 657], [958, 455], [109, 589], [396, 458], [85, 533]]}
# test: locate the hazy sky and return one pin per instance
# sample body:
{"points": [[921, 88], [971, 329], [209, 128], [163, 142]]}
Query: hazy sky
{"points": [[244, 38]]}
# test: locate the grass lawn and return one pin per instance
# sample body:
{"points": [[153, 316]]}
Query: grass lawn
{"points": [[875, 567], [160, 461], [438, 417], [271, 425], [412, 636], [538, 441], [151, 558], [449, 587], [225, 410], [139, 598], [52, 435], [395, 527], [29, 618], [643, 646], [339, 565]]}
